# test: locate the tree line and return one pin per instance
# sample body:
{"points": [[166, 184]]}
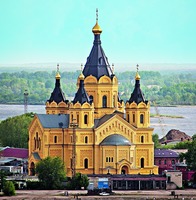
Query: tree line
{"points": [[165, 89]]}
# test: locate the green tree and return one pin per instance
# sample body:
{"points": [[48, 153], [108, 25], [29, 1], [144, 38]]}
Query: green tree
{"points": [[51, 172], [79, 181], [14, 131], [155, 139], [2, 179], [190, 155], [9, 189]]}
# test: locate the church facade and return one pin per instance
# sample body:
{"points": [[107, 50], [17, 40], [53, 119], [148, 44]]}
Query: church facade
{"points": [[96, 133]]}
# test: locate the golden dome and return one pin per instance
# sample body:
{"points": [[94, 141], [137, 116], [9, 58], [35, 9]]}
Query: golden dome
{"points": [[81, 76], [58, 76], [96, 29], [137, 76]]}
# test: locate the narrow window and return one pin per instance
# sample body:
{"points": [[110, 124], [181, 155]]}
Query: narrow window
{"points": [[128, 117], [142, 139], [71, 163], [86, 139], [55, 139], [104, 101], [142, 162], [111, 159], [141, 118], [34, 143], [91, 98], [159, 162], [39, 144], [85, 119], [133, 118], [106, 159], [77, 118], [71, 138], [173, 162], [165, 162], [86, 163]]}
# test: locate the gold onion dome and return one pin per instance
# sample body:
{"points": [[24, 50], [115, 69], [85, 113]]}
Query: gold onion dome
{"points": [[58, 76], [81, 76], [137, 76], [96, 29]]}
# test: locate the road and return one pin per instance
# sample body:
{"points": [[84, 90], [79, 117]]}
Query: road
{"points": [[119, 195]]}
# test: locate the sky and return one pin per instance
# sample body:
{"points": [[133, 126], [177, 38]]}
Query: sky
{"points": [[142, 31]]}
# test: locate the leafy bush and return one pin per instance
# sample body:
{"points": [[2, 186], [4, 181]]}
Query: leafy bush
{"points": [[9, 189]]}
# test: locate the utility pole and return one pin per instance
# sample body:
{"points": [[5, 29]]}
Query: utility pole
{"points": [[74, 125], [25, 101]]}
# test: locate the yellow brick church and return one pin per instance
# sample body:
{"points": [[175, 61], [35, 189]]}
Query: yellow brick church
{"points": [[95, 133]]}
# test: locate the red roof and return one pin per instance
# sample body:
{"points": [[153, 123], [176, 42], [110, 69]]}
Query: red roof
{"points": [[15, 153]]}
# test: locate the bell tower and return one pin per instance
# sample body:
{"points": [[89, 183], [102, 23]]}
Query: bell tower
{"points": [[82, 107]]}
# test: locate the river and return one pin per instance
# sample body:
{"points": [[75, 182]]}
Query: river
{"points": [[161, 125]]}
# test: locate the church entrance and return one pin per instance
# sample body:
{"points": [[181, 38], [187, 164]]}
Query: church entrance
{"points": [[124, 170]]}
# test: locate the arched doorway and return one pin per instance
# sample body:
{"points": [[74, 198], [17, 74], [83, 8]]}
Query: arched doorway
{"points": [[32, 169], [124, 170]]}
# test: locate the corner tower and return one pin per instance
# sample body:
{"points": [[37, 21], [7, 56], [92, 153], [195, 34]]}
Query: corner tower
{"points": [[57, 104], [137, 108], [82, 107], [100, 82]]}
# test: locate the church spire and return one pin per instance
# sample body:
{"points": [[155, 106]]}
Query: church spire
{"points": [[57, 95], [137, 95], [97, 63], [81, 95]]}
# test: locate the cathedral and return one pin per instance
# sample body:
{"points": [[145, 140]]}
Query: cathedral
{"points": [[96, 132]]}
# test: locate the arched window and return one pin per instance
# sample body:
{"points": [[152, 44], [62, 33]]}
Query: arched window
{"points": [[86, 163], [34, 143], [55, 139], [39, 144], [133, 118], [85, 119], [86, 139], [142, 162], [142, 139], [141, 118], [104, 101], [91, 98]]}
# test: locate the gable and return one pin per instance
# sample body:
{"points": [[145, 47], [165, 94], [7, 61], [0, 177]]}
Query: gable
{"points": [[113, 124]]}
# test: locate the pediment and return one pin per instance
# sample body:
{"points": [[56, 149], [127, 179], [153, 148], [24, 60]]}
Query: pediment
{"points": [[115, 125]]}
